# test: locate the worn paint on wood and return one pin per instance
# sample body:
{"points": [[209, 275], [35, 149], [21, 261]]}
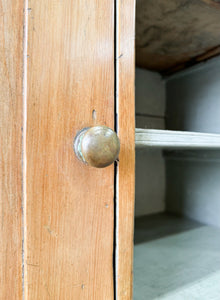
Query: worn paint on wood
{"points": [[69, 207], [126, 127], [171, 139], [173, 34], [11, 57]]}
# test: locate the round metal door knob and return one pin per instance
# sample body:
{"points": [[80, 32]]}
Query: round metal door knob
{"points": [[97, 146]]}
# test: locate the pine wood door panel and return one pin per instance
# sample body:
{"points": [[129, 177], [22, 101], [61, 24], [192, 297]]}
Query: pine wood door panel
{"points": [[69, 215], [125, 12], [11, 60], [65, 81]]}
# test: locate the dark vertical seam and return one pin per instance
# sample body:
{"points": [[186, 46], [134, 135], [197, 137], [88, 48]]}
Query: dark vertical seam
{"points": [[115, 164]]}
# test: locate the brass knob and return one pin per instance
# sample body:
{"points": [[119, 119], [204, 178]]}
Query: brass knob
{"points": [[97, 146]]}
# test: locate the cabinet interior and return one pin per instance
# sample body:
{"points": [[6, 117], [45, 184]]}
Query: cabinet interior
{"points": [[177, 205]]}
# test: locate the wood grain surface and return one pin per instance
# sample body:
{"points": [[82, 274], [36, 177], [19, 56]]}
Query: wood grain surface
{"points": [[11, 58], [172, 35], [69, 206], [126, 130]]}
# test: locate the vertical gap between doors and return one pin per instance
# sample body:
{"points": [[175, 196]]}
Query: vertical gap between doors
{"points": [[116, 130]]}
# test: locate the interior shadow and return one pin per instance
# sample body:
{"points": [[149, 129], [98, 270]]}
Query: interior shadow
{"points": [[152, 227]]}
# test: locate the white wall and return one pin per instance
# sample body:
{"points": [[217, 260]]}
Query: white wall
{"points": [[193, 177], [193, 186], [150, 165], [193, 98]]}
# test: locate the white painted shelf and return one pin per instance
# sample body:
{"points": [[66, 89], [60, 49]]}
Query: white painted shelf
{"points": [[175, 259], [155, 138]]}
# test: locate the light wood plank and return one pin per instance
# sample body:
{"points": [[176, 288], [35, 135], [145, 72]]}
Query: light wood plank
{"points": [[70, 207], [171, 139], [11, 57], [125, 11]]}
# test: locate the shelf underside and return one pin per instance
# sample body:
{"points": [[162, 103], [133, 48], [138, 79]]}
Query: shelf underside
{"points": [[172, 35], [176, 258], [169, 139]]}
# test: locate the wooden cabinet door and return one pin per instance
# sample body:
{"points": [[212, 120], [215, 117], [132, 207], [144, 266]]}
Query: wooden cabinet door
{"points": [[11, 68], [66, 227]]}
